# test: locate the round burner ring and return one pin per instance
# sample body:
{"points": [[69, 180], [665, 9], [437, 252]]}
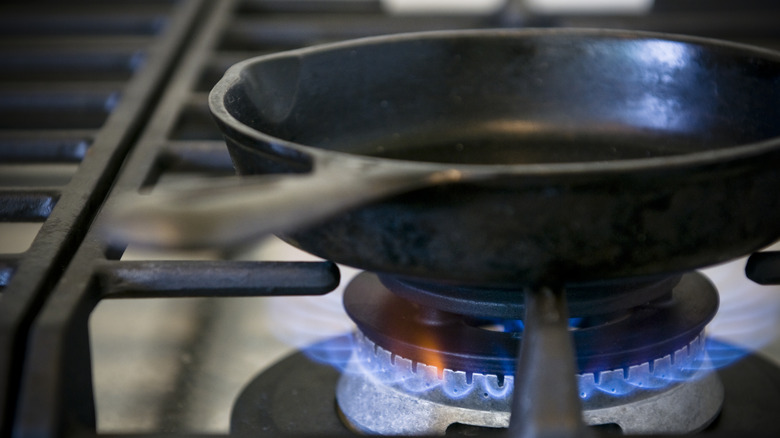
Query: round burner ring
{"points": [[458, 342], [385, 394]]}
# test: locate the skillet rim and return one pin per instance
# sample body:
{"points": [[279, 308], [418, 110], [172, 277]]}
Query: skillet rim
{"points": [[233, 76]]}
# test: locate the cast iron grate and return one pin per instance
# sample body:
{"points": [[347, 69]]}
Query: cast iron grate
{"points": [[76, 83], [178, 141]]}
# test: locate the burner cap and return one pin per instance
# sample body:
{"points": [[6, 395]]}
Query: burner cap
{"points": [[584, 299], [462, 342]]}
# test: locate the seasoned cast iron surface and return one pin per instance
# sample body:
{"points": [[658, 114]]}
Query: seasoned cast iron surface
{"points": [[648, 153]]}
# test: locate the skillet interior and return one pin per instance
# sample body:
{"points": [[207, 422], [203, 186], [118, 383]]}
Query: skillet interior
{"points": [[489, 99]]}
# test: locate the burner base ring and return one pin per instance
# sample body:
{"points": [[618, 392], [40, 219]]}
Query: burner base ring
{"points": [[381, 393]]}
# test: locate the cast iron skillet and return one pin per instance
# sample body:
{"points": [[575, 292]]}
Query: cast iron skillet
{"points": [[505, 157]]}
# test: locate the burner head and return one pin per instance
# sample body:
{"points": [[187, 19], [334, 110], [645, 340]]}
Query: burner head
{"points": [[412, 358], [614, 339]]}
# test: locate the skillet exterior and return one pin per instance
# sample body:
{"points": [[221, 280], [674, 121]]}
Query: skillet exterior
{"points": [[592, 220]]}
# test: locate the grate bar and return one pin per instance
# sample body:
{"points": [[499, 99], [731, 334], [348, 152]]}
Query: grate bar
{"points": [[176, 279], [8, 264], [83, 19], [57, 106], [69, 64], [27, 204], [73, 43], [53, 146], [59, 96]]}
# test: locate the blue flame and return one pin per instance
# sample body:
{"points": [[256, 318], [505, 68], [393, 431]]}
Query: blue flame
{"points": [[318, 326], [383, 368], [498, 390], [684, 365], [749, 318], [336, 352]]}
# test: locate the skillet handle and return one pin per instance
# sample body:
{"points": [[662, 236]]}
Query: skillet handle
{"points": [[230, 212]]}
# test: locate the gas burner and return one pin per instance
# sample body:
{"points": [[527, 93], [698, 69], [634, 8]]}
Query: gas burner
{"points": [[296, 397], [641, 361], [615, 339], [382, 393]]}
